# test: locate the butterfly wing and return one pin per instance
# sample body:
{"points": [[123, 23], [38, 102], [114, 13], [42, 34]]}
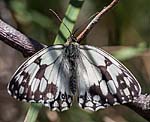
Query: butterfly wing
{"points": [[43, 78], [103, 80]]}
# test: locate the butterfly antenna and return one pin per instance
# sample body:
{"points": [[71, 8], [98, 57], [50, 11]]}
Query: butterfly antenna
{"points": [[60, 20], [85, 22]]}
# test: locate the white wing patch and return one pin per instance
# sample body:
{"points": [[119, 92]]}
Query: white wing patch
{"points": [[43, 78], [104, 80]]}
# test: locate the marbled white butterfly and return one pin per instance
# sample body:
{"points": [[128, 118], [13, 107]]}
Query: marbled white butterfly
{"points": [[55, 74]]}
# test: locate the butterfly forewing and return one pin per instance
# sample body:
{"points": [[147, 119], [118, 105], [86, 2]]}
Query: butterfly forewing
{"points": [[104, 80], [43, 78]]}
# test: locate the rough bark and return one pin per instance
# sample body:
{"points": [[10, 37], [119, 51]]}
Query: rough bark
{"points": [[17, 40]]}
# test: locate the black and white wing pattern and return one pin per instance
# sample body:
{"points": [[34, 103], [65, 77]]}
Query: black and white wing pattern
{"points": [[43, 78], [103, 81]]}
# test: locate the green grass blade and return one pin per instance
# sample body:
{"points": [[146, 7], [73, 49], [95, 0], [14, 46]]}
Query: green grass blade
{"points": [[33, 112], [69, 20]]}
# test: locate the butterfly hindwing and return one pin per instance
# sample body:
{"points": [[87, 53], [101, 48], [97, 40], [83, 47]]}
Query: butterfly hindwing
{"points": [[43, 78], [104, 80]]}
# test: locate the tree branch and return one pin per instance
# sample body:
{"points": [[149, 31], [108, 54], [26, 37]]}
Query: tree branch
{"points": [[17, 40], [141, 106], [89, 27]]}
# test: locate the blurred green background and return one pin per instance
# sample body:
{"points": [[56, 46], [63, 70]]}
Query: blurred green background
{"points": [[124, 31]]}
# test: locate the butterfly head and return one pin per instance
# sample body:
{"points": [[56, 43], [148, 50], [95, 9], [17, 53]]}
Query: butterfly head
{"points": [[71, 39]]}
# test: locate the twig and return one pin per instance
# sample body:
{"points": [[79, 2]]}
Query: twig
{"points": [[141, 106], [17, 40], [85, 32]]}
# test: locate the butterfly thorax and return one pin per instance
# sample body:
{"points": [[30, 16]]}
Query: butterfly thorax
{"points": [[71, 54]]}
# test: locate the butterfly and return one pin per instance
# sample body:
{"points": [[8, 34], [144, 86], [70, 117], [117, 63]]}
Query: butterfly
{"points": [[56, 74]]}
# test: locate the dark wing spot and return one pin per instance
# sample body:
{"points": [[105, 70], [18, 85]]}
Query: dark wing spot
{"points": [[37, 95], [51, 88], [41, 71], [25, 75], [94, 90], [108, 62], [38, 60], [120, 77], [123, 85], [105, 74]]}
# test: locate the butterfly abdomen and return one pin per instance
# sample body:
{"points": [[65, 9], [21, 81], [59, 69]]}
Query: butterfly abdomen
{"points": [[73, 69], [72, 55], [73, 84]]}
